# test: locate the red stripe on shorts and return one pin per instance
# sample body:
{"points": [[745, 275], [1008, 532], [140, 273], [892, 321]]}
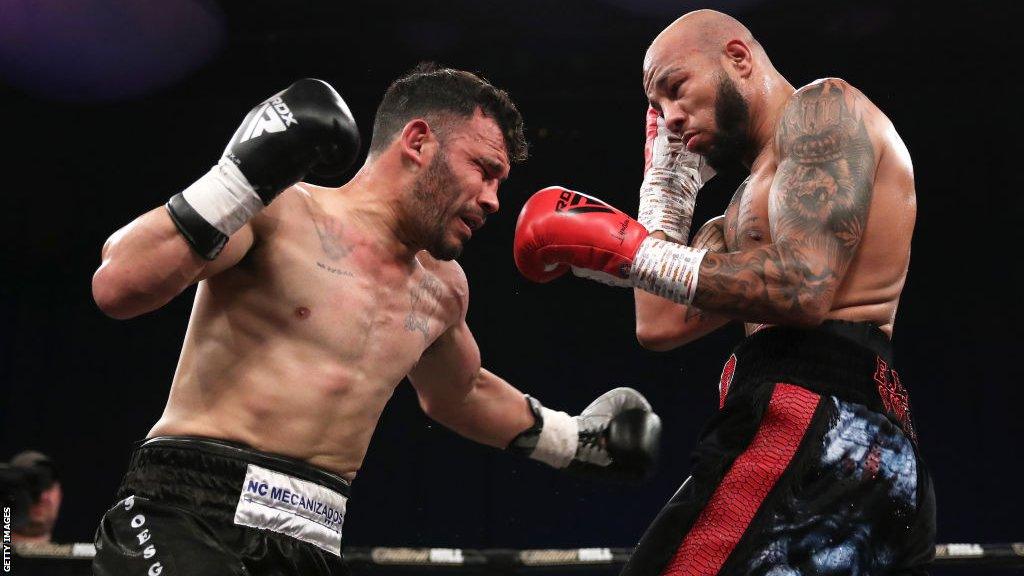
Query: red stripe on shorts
{"points": [[729, 511]]}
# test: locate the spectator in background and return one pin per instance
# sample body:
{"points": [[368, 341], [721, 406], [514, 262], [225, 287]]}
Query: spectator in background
{"points": [[43, 486]]}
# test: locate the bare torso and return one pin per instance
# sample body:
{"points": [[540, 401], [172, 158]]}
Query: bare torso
{"points": [[297, 349], [870, 290]]}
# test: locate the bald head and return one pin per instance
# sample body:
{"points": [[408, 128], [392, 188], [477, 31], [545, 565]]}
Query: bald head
{"points": [[701, 32], [707, 76]]}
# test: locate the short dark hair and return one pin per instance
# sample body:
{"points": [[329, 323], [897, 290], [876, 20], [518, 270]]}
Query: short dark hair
{"points": [[429, 91]]}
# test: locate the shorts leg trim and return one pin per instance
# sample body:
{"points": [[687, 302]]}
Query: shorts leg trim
{"points": [[737, 498]]}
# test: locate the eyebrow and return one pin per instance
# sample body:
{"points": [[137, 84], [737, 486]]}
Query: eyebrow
{"points": [[659, 83], [494, 166]]}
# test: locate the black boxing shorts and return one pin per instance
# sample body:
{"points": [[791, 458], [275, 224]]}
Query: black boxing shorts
{"points": [[198, 506], [810, 467]]}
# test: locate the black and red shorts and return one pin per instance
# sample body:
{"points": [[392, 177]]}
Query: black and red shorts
{"points": [[810, 467]]}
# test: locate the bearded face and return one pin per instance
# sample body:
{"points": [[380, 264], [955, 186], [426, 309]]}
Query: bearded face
{"points": [[732, 117], [434, 204]]}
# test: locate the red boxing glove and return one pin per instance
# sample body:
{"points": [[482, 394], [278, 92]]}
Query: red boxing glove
{"points": [[559, 229]]}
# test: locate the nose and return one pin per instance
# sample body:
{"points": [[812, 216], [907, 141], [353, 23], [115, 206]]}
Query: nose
{"points": [[675, 120], [488, 200]]}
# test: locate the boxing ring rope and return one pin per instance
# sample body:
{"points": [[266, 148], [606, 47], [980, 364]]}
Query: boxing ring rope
{"points": [[512, 561]]}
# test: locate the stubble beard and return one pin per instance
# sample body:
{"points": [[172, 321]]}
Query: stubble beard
{"points": [[434, 193]]}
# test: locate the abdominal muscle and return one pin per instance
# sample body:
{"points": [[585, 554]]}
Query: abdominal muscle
{"points": [[282, 388]]}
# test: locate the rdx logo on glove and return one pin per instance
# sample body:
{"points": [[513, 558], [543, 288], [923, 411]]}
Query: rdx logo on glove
{"points": [[276, 119], [576, 203]]}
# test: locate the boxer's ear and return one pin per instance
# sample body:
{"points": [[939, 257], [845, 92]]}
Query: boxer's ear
{"points": [[415, 143], [738, 57]]}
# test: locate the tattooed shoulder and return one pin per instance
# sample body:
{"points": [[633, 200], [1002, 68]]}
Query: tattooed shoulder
{"points": [[818, 208], [827, 170]]}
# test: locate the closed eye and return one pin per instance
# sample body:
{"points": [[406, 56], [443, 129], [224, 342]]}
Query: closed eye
{"points": [[491, 170]]}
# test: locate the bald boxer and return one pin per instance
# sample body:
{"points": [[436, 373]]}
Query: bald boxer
{"points": [[313, 304], [811, 465]]}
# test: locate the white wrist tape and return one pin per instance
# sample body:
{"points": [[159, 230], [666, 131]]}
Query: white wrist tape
{"points": [[667, 197], [667, 269], [558, 439], [224, 198]]}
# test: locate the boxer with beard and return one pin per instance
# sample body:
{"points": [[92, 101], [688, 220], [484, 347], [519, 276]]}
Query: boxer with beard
{"points": [[313, 304], [811, 465]]}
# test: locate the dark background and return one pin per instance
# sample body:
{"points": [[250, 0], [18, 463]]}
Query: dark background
{"points": [[110, 107]]}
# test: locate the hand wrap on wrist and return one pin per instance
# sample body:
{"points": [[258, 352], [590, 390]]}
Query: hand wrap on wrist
{"points": [[213, 208]]}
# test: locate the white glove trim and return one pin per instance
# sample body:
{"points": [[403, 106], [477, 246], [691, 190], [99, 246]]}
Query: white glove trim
{"points": [[558, 439], [224, 197], [602, 277]]}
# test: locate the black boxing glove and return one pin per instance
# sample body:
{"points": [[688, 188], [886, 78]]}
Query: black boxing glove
{"points": [[616, 437], [304, 128]]}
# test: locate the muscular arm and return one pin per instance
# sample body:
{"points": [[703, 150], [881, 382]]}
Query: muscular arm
{"points": [[662, 324], [818, 207], [148, 262], [457, 392]]}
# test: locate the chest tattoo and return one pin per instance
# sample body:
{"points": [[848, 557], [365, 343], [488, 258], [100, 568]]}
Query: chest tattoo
{"points": [[333, 270], [736, 205], [331, 239], [423, 302]]}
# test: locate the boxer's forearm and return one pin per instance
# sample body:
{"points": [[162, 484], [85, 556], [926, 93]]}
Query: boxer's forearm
{"points": [[147, 263], [657, 319], [662, 324], [490, 411], [771, 284]]}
